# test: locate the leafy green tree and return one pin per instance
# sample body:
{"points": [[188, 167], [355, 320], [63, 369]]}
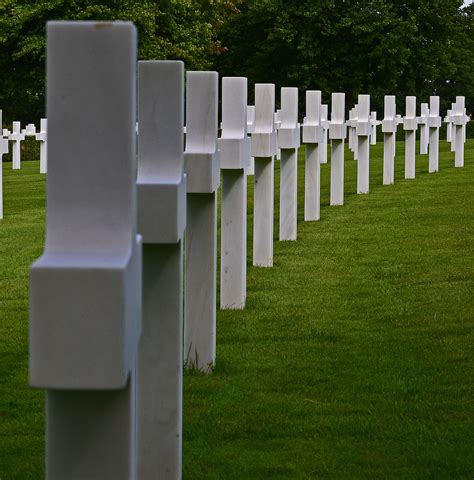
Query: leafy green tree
{"points": [[167, 29]]}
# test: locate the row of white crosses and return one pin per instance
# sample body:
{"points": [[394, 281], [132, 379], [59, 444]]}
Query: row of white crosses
{"points": [[109, 314], [17, 135]]}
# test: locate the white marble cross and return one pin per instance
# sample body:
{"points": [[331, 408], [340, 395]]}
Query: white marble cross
{"points": [[16, 137], [447, 120], [424, 134], [363, 129], [289, 142], [323, 148], [459, 119], [202, 167], [234, 146], [410, 126], [250, 130], [42, 137], [313, 138], [85, 290], [161, 210], [452, 128], [434, 122], [374, 123], [337, 134], [263, 149], [389, 129]]}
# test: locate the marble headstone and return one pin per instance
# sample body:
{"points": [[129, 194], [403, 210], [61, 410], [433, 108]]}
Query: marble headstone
{"points": [[85, 290]]}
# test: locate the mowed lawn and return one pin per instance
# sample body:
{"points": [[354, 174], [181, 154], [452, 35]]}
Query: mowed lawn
{"points": [[353, 358]]}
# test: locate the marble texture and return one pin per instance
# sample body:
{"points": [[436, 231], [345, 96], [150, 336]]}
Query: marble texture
{"points": [[263, 149], [289, 142], [337, 134], [447, 120], [363, 130], [323, 147], [374, 123], [313, 138], [234, 146], [389, 129], [42, 137], [453, 129], [161, 209], [250, 129], [434, 122], [160, 364], [410, 126], [423, 123], [459, 118], [233, 239], [85, 290], [16, 137], [201, 231], [200, 284]]}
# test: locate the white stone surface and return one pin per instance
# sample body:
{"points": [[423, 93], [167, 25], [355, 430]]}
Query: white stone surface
{"points": [[250, 130], [363, 130], [389, 129], [447, 120], [323, 148], [201, 158], [16, 137], [289, 142], [459, 120], [42, 137], [423, 123], [374, 123], [263, 148], [313, 137], [85, 301], [161, 210], [234, 146], [410, 126], [337, 134], [201, 161], [453, 128], [434, 122]]}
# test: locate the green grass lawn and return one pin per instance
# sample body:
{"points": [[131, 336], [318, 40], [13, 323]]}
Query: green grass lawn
{"points": [[353, 358]]}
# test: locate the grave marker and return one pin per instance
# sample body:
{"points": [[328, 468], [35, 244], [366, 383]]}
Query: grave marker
{"points": [[459, 121], [250, 130], [289, 142], [16, 137], [313, 138], [434, 122], [323, 148], [337, 134], [373, 131], [234, 146], [161, 206], [202, 167], [263, 149], [409, 125], [85, 305], [42, 137], [424, 134], [389, 129], [363, 129], [447, 120]]}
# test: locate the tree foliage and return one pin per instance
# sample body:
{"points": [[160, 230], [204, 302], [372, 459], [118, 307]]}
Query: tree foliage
{"points": [[401, 47]]}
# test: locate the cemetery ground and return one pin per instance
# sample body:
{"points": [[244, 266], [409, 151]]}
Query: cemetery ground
{"points": [[353, 358]]}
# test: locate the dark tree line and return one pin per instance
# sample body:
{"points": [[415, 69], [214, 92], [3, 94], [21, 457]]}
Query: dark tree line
{"points": [[401, 47]]}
